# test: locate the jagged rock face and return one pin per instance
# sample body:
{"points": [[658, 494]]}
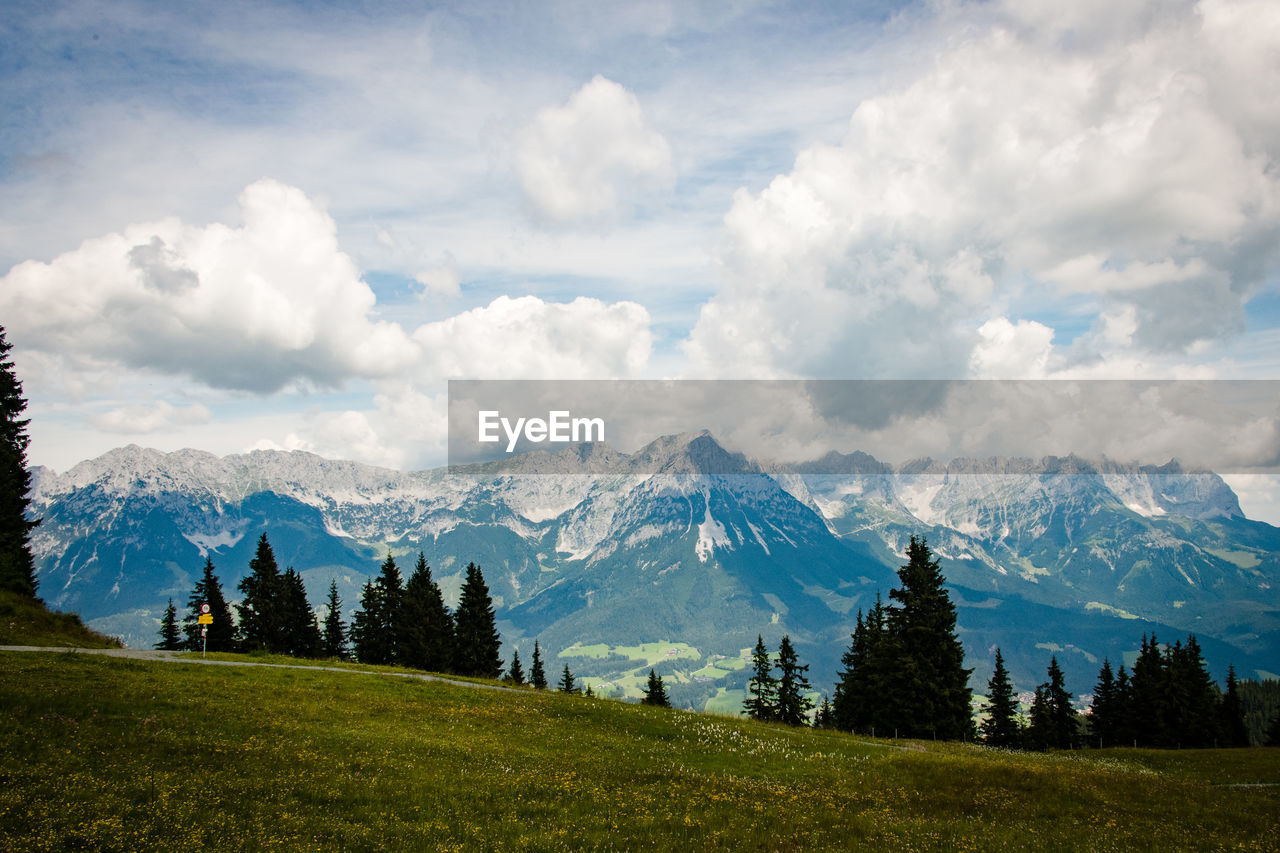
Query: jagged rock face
{"points": [[680, 540]]}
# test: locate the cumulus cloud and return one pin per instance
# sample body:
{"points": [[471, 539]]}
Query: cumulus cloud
{"points": [[527, 338], [256, 307], [1128, 167], [150, 418], [593, 158]]}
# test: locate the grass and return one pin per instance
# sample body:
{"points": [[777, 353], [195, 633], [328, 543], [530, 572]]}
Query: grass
{"points": [[116, 754], [26, 621]]}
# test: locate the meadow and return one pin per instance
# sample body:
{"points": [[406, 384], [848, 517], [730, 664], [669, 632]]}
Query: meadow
{"points": [[116, 754]]}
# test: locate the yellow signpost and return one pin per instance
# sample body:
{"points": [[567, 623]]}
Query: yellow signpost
{"points": [[206, 619]]}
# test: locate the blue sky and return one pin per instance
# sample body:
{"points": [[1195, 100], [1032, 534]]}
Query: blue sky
{"points": [[288, 225]]}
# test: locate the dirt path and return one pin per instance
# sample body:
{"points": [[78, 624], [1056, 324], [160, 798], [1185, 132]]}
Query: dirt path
{"points": [[189, 657]]}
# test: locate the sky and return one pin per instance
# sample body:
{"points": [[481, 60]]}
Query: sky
{"points": [[287, 225]]}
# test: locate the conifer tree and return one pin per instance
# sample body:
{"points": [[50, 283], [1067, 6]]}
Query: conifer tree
{"points": [[299, 633], [1192, 700], [762, 689], [375, 630], [515, 672], [864, 699], [1124, 733], [220, 635], [1053, 720], [261, 619], [1000, 728], [1232, 724], [170, 640], [792, 703], [566, 681], [655, 692], [1106, 713], [426, 628], [1148, 686], [17, 568], [537, 676], [476, 637], [930, 686], [824, 717], [333, 641]]}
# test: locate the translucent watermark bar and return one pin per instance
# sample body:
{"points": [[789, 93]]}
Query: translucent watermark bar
{"points": [[833, 426]]}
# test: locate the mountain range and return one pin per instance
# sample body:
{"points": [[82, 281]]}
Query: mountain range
{"points": [[680, 554]]}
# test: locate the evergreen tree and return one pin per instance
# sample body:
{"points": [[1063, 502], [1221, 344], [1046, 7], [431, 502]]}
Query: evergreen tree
{"points": [[1193, 699], [261, 619], [566, 681], [426, 628], [655, 693], [299, 633], [375, 630], [220, 635], [1000, 728], [333, 641], [792, 703], [824, 717], [1124, 733], [1106, 714], [515, 672], [1148, 686], [863, 701], [1231, 713], [762, 690], [930, 691], [1053, 720], [170, 640], [476, 637], [17, 568], [537, 677]]}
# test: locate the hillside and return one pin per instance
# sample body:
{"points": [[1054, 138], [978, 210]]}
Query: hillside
{"points": [[112, 754], [24, 621]]}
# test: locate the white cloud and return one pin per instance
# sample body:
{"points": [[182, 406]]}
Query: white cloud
{"points": [[1011, 350], [441, 281], [591, 159], [256, 307], [158, 416], [1043, 155], [527, 338]]}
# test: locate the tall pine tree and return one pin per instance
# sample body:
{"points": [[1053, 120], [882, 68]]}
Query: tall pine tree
{"points": [[17, 568], [792, 703], [220, 635], [1231, 714], [537, 675], [375, 627], [476, 639], [426, 628], [1000, 728], [762, 688], [863, 700], [1106, 715], [1148, 687], [262, 593], [930, 690], [515, 672], [170, 639], [655, 692], [1053, 720], [333, 639], [566, 681], [299, 633]]}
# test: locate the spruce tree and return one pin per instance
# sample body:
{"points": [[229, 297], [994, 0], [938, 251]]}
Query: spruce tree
{"points": [[762, 689], [1053, 720], [17, 568], [792, 703], [476, 637], [930, 688], [1106, 713], [864, 699], [170, 639], [299, 633], [1148, 686], [537, 676], [1124, 732], [566, 681], [824, 717], [1038, 734], [1193, 699], [333, 640], [375, 627], [515, 672], [1231, 720], [655, 693], [261, 616], [426, 628], [1000, 728], [220, 635]]}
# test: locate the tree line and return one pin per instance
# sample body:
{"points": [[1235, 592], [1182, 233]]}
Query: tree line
{"points": [[397, 623]]}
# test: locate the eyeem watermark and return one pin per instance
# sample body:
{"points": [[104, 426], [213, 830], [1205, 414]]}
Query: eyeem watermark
{"points": [[559, 427]]}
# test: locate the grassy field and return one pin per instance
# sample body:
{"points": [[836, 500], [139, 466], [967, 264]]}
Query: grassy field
{"points": [[111, 754]]}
